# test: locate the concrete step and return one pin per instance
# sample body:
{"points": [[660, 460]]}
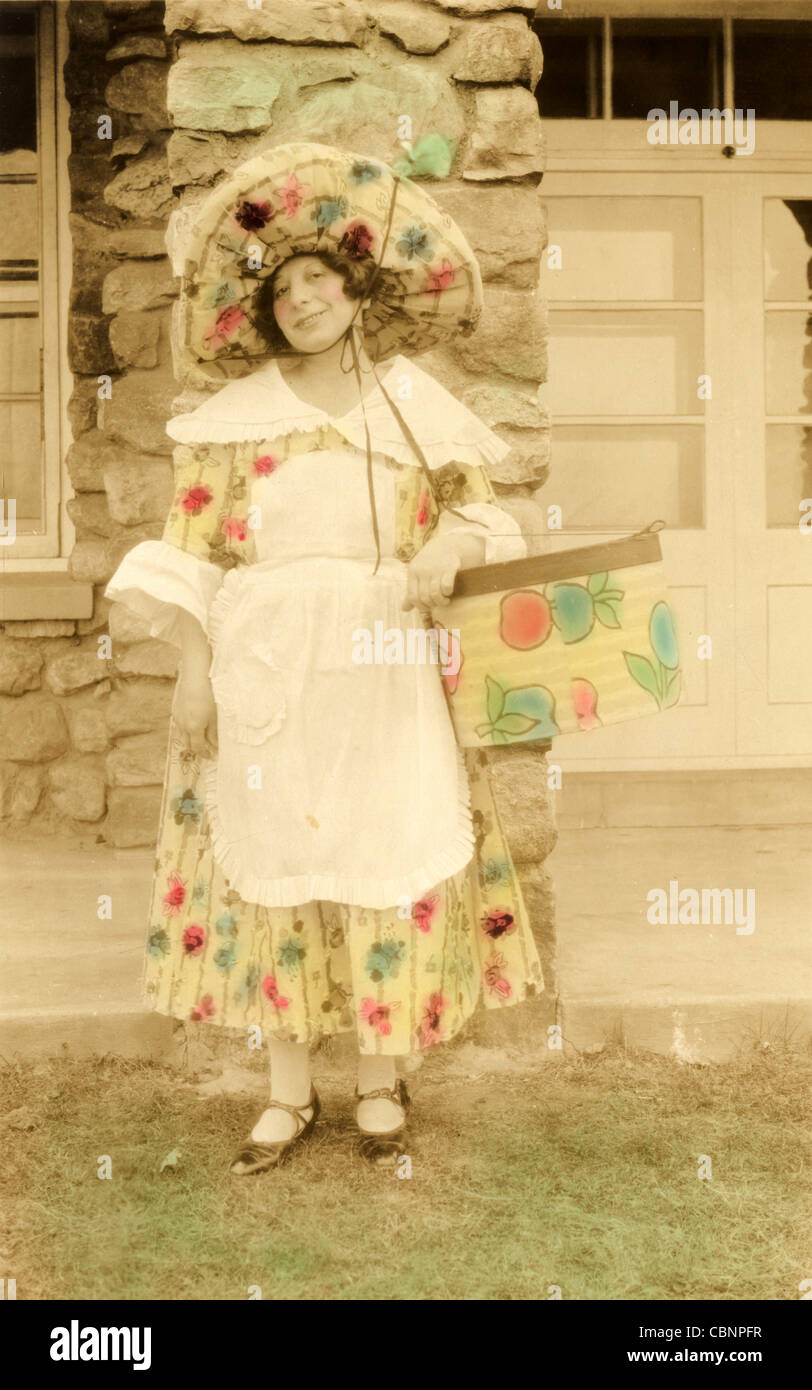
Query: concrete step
{"points": [[609, 800]]}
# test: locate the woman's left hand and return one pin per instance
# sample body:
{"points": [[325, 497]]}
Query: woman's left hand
{"points": [[430, 575]]}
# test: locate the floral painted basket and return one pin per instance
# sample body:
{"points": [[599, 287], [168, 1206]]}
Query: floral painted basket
{"points": [[558, 643]]}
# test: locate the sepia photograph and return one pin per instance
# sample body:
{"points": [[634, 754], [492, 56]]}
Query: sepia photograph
{"points": [[406, 664]]}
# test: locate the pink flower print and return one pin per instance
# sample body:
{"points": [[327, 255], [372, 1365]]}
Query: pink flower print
{"points": [[378, 1015], [175, 895], [203, 1010], [252, 216], [265, 465], [585, 701], [195, 499], [494, 979], [431, 1026], [235, 528], [292, 194], [271, 991], [423, 911], [423, 511], [224, 327], [497, 923], [193, 940], [439, 280]]}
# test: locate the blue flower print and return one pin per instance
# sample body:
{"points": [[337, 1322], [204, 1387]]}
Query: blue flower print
{"points": [[187, 807], [363, 171], [290, 954], [226, 956], [226, 925], [414, 241], [383, 960], [329, 210], [158, 943]]}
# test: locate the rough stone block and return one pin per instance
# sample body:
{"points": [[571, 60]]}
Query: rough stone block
{"points": [[507, 140], [139, 488], [511, 337], [89, 347], [89, 514], [413, 26], [32, 731], [139, 761], [20, 667], [88, 730], [502, 49], [82, 407], [133, 815], [196, 157], [74, 671], [137, 412], [142, 189], [77, 790], [126, 627], [86, 460], [138, 243], [20, 790], [140, 88], [40, 627], [101, 609], [134, 339], [139, 709], [499, 404], [87, 24], [141, 285], [222, 86], [137, 46], [321, 21], [505, 226], [519, 782], [149, 658], [89, 563], [531, 519]]}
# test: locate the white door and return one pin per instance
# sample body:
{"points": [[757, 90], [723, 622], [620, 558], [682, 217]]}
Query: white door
{"points": [[670, 397]]}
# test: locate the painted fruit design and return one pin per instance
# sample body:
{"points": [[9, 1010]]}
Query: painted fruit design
{"points": [[517, 713], [527, 616], [525, 619], [585, 703], [660, 676]]}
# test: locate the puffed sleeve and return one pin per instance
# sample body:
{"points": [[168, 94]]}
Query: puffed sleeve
{"points": [[466, 488], [185, 568]]}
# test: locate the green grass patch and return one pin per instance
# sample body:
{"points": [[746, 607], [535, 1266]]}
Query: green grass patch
{"points": [[580, 1175]]}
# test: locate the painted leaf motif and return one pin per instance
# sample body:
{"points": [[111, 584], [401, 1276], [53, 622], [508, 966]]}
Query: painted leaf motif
{"points": [[642, 671], [495, 698], [606, 613], [672, 689], [596, 583], [515, 724]]}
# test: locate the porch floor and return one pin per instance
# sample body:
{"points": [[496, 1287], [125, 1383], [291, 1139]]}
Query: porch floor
{"points": [[68, 978]]}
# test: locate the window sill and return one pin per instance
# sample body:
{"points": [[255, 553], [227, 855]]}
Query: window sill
{"points": [[43, 595]]}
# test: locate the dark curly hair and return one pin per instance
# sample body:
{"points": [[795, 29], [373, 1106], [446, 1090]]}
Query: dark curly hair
{"points": [[356, 275]]}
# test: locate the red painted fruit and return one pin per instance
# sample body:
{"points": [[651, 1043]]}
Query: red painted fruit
{"points": [[525, 619]]}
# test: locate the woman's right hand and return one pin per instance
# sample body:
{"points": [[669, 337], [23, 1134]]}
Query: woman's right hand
{"points": [[195, 713]]}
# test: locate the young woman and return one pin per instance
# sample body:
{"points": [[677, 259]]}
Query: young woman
{"points": [[328, 860]]}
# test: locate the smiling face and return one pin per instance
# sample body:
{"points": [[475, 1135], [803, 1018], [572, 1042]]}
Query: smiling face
{"points": [[309, 303]]}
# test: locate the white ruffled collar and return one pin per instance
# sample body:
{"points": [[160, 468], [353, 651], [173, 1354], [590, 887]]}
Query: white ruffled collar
{"points": [[263, 406]]}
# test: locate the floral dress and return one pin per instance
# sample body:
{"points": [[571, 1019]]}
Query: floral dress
{"points": [[339, 865]]}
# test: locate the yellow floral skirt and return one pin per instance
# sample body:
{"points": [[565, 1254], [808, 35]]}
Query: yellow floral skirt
{"points": [[403, 978]]}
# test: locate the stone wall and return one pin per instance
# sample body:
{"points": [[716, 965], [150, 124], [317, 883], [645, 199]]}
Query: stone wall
{"points": [[193, 89]]}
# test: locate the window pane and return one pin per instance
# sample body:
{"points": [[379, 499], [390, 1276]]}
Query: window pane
{"points": [[787, 248], [21, 469], [614, 477], [626, 248], [772, 62], [789, 472], [18, 113], [625, 362], [19, 353], [656, 63], [571, 84], [20, 217], [788, 362]]}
